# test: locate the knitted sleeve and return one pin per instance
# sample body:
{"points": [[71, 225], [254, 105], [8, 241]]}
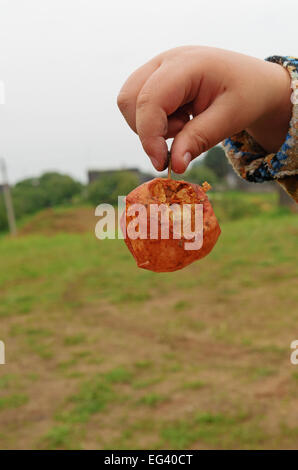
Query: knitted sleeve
{"points": [[253, 163]]}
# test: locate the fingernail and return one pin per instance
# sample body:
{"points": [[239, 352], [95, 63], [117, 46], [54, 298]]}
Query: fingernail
{"points": [[187, 159]]}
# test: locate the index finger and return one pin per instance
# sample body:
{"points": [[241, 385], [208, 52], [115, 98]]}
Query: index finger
{"points": [[163, 93], [129, 92]]}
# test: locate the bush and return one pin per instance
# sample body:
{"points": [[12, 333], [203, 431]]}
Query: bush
{"points": [[108, 188], [33, 194], [233, 205], [51, 189], [200, 173]]}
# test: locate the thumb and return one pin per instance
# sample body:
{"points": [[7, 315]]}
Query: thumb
{"points": [[203, 132]]}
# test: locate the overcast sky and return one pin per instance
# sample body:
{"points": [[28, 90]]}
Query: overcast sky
{"points": [[64, 61]]}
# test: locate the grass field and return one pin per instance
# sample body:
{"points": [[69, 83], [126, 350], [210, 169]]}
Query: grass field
{"points": [[101, 354]]}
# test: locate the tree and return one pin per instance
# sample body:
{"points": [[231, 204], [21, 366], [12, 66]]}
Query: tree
{"points": [[108, 188], [59, 188], [51, 189], [33, 194], [200, 173]]}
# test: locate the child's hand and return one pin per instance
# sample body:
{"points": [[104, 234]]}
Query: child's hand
{"points": [[224, 91]]}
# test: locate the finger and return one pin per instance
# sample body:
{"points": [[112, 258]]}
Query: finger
{"points": [[128, 94], [176, 122], [204, 131], [162, 94]]}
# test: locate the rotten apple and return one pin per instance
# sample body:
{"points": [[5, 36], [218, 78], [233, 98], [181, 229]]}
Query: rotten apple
{"points": [[155, 250]]}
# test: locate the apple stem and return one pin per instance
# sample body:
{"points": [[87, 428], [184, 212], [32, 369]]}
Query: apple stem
{"points": [[169, 166]]}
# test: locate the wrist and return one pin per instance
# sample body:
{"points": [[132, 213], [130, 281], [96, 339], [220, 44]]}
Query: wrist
{"points": [[271, 128]]}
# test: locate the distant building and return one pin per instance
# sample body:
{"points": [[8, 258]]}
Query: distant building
{"points": [[94, 175], [1, 188]]}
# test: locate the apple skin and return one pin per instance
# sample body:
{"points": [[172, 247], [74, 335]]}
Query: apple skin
{"points": [[162, 255]]}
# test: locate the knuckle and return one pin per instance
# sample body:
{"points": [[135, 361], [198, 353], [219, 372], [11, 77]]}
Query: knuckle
{"points": [[123, 101], [143, 100], [201, 141]]}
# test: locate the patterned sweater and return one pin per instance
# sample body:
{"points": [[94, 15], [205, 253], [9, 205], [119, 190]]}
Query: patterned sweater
{"points": [[253, 163]]}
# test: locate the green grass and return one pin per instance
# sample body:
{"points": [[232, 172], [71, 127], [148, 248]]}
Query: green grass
{"points": [[152, 399], [74, 340], [148, 382], [111, 355], [261, 372], [92, 398], [80, 260], [13, 401], [295, 375], [181, 305], [65, 365], [195, 385], [213, 429], [235, 205], [118, 375], [59, 437], [144, 364], [8, 380]]}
